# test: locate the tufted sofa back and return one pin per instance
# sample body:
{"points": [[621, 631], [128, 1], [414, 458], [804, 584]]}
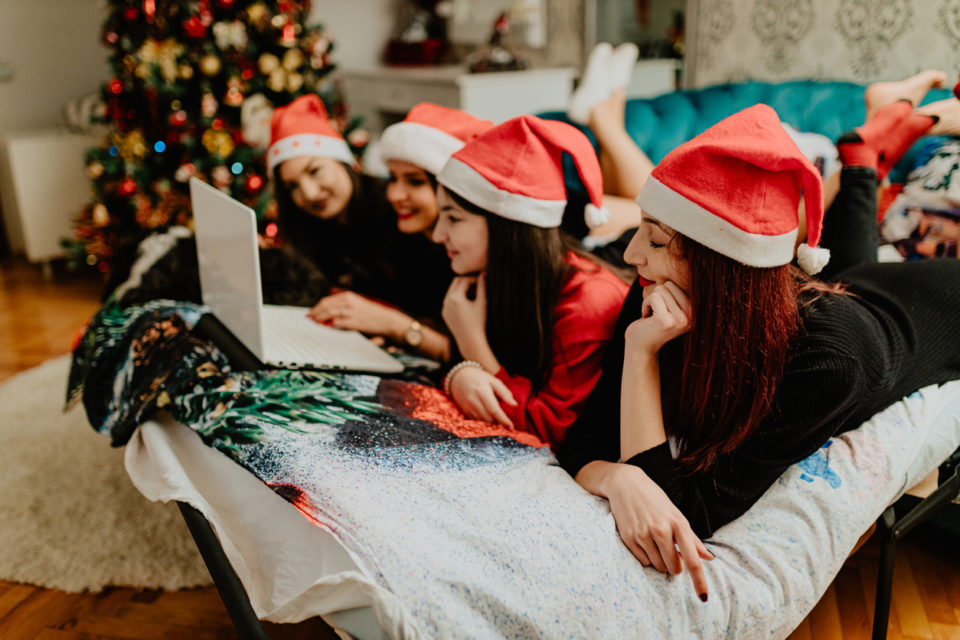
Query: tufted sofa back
{"points": [[829, 107]]}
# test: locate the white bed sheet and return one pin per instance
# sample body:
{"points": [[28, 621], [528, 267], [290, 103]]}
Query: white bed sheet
{"points": [[773, 564]]}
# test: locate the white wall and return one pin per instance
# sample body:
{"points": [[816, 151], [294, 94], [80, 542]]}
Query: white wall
{"points": [[54, 49], [359, 28]]}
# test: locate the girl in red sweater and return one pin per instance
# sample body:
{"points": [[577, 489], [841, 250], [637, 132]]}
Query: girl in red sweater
{"points": [[529, 316]]}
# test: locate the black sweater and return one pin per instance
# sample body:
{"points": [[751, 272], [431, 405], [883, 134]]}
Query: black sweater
{"points": [[856, 355]]}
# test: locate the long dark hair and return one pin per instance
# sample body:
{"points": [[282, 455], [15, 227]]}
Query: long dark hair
{"points": [[526, 270], [745, 322]]}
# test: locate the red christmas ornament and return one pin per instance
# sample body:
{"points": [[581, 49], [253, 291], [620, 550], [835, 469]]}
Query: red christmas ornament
{"points": [[194, 27], [150, 9], [246, 74], [226, 4], [178, 118], [111, 37], [127, 187], [115, 86], [288, 34], [217, 124], [271, 230], [254, 183], [130, 14]]}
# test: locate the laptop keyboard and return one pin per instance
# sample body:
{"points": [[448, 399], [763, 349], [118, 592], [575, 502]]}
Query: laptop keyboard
{"points": [[294, 339]]}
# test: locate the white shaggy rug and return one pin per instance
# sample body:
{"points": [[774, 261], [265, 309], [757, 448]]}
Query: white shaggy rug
{"points": [[69, 517]]}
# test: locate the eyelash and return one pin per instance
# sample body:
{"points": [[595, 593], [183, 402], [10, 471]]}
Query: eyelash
{"points": [[657, 245]]}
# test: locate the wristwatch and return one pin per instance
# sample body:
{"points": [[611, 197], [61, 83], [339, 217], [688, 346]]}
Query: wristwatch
{"points": [[413, 336]]}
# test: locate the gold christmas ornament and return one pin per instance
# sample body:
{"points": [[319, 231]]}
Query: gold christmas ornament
{"points": [[258, 14], [277, 80], [131, 147], [219, 143], [100, 215], [294, 82], [210, 64], [186, 71], [292, 59], [94, 170], [267, 63]]}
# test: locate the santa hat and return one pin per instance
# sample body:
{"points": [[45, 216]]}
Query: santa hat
{"points": [[515, 171], [429, 135], [303, 128], [736, 189]]}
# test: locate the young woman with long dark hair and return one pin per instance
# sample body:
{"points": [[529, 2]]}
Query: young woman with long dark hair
{"points": [[729, 364], [529, 315]]}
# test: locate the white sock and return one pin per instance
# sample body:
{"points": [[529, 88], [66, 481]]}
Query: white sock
{"points": [[594, 84], [622, 61]]}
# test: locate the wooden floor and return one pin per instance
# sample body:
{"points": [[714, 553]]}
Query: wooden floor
{"points": [[38, 320]]}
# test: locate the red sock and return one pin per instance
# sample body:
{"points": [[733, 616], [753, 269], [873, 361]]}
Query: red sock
{"points": [[884, 138]]}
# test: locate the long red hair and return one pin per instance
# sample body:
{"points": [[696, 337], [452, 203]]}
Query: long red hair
{"points": [[745, 320]]}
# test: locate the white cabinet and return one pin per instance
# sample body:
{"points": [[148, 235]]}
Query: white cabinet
{"points": [[43, 187], [383, 95]]}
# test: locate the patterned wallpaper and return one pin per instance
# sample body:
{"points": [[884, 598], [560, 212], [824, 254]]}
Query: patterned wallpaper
{"points": [[858, 40]]}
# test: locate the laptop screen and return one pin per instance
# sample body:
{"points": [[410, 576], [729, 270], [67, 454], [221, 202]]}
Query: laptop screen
{"points": [[226, 232]]}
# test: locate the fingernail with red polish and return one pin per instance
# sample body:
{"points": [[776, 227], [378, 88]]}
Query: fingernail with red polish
{"points": [[703, 597]]}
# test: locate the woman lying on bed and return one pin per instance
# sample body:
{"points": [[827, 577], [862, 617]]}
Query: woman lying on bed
{"points": [[729, 364], [529, 315]]}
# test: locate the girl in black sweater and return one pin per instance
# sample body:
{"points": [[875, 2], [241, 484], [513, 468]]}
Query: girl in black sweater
{"points": [[729, 364]]}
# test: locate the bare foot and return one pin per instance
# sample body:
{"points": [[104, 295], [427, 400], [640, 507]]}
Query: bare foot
{"points": [[913, 89], [607, 117], [949, 113]]}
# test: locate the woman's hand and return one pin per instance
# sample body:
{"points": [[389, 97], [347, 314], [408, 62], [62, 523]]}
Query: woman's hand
{"points": [[666, 313], [466, 318], [652, 527], [348, 310], [478, 394]]}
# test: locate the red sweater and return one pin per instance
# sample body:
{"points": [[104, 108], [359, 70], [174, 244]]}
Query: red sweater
{"points": [[585, 316]]}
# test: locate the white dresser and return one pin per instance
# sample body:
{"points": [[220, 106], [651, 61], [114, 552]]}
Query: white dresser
{"points": [[43, 187], [383, 95]]}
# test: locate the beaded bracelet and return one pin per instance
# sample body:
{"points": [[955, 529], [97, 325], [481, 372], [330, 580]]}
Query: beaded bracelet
{"points": [[447, 379]]}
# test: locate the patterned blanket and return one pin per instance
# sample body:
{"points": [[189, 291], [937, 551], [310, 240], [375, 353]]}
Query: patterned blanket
{"points": [[473, 529]]}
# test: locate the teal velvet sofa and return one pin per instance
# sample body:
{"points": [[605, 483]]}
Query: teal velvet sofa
{"points": [[661, 123]]}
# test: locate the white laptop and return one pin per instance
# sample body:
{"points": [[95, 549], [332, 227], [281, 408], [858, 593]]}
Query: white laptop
{"points": [[281, 336]]}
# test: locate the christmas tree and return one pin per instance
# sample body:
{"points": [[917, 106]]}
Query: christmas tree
{"points": [[194, 83]]}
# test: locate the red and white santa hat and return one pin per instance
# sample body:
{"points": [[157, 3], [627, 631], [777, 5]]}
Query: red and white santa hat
{"points": [[429, 135], [736, 188], [515, 171], [303, 128]]}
